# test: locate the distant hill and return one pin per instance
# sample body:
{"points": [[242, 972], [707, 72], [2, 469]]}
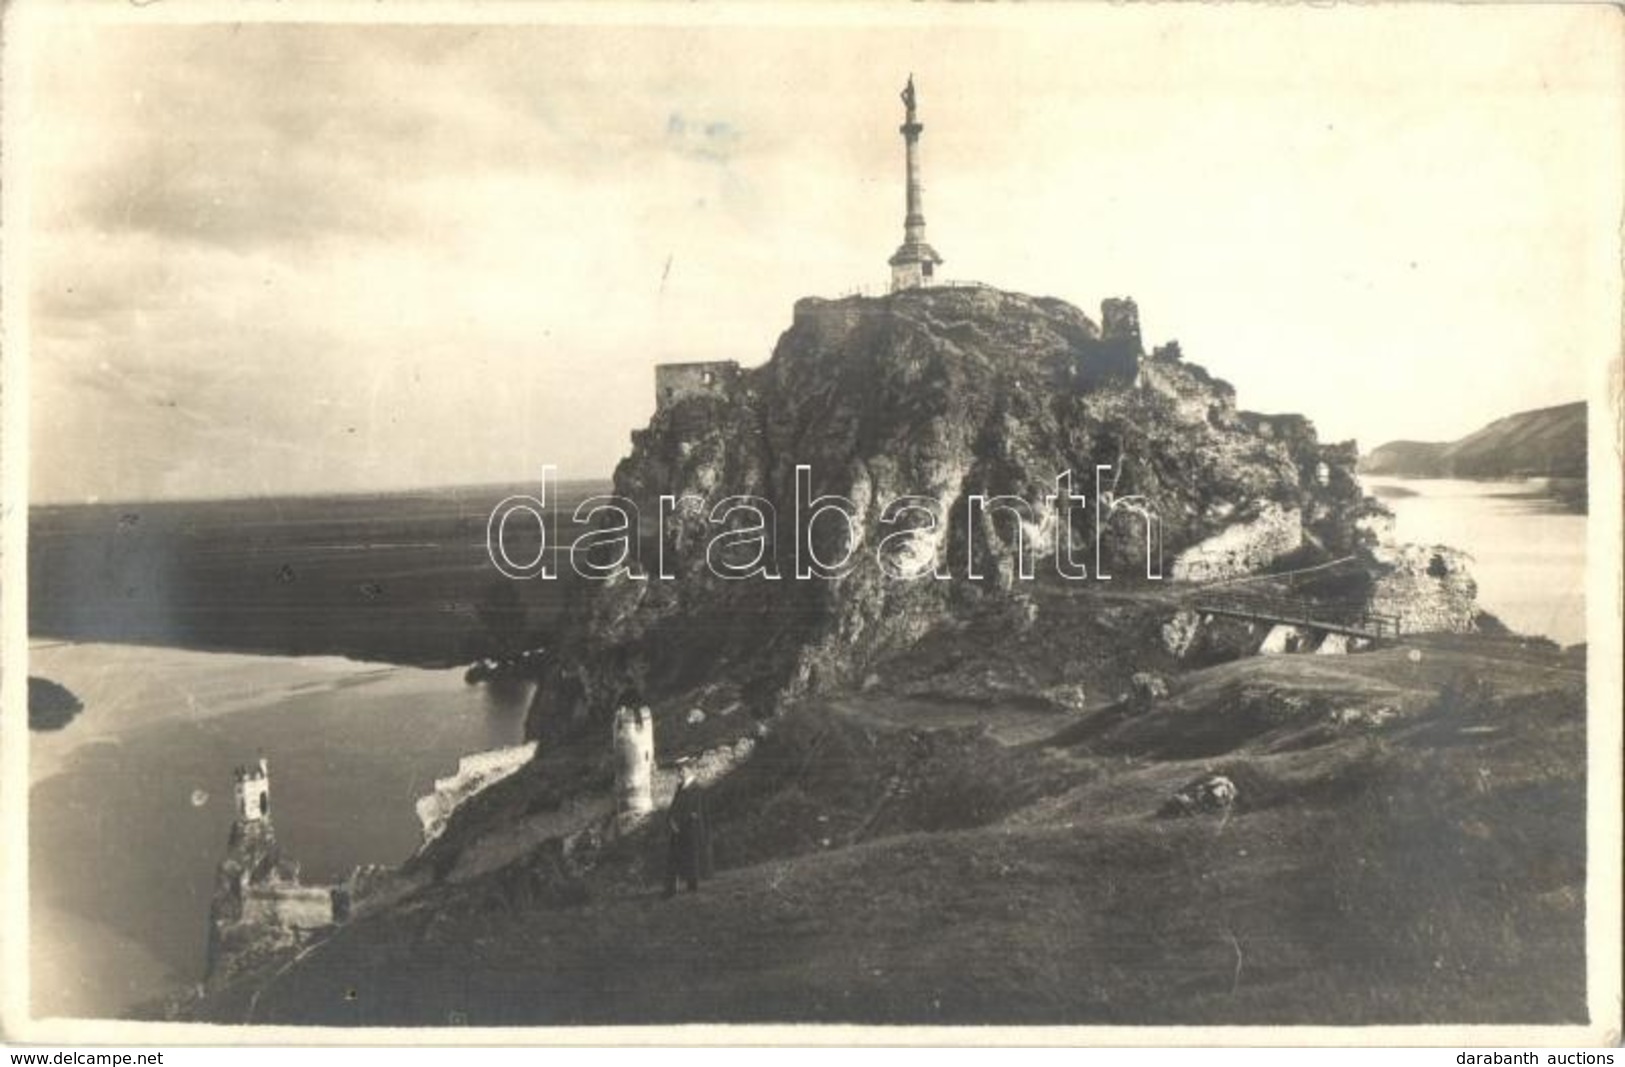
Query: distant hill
{"points": [[1547, 442]]}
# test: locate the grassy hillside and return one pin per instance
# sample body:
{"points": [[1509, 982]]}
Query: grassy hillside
{"points": [[1548, 442], [1405, 846]]}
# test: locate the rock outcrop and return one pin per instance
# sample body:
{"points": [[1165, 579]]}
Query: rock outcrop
{"points": [[903, 410], [475, 773], [1284, 639], [51, 705]]}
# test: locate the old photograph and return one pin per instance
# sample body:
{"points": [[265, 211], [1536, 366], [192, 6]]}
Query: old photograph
{"points": [[887, 515]]}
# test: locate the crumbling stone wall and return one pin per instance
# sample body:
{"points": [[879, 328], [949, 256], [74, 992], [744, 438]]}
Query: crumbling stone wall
{"points": [[1115, 357], [1288, 427], [259, 907], [298, 907], [680, 381], [1241, 548], [823, 319], [1120, 320], [1429, 588], [1103, 364], [1193, 400]]}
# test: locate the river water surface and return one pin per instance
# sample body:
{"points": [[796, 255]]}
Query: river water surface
{"points": [[1529, 555], [131, 804]]}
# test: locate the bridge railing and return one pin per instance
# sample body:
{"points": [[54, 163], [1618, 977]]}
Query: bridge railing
{"points": [[1300, 611]]}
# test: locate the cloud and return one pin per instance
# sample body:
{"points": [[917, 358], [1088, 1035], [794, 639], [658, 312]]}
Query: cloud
{"points": [[273, 258], [236, 139]]}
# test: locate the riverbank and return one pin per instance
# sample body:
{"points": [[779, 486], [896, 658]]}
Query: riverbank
{"points": [[1528, 554], [1400, 846], [137, 791], [1564, 495]]}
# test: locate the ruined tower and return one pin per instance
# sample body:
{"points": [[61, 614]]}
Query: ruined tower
{"points": [[914, 262], [259, 906], [253, 786], [1120, 321], [634, 740]]}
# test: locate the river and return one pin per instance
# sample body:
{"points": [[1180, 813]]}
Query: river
{"points": [[130, 805], [1528, 554]]}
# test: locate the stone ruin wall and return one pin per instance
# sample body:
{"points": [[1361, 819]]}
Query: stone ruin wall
{"points": [[834, 317], [675, 382], [1120, 320], [1428, 587], [294, 907], [1192, 400], [1242, 548]]}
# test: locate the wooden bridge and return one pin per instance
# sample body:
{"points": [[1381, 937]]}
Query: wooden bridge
{"points": [[1351, 619]]}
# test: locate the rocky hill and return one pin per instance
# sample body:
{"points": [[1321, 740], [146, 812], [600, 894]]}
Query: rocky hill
{"points": [[972, 796], [1546, 442], [935, 397]]}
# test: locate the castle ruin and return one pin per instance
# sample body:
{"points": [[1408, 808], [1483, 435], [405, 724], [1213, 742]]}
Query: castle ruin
{"points": [[676, 382], [1120, 321], [259, 903], [253, 791]]}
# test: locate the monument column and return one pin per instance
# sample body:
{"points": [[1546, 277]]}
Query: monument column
{"points": [[914, 218], [914, 263]]}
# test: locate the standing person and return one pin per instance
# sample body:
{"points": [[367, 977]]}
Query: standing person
{"points": [[689, 851]]}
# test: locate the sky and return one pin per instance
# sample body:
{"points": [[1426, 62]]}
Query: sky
{"points": [[268, 258]]}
